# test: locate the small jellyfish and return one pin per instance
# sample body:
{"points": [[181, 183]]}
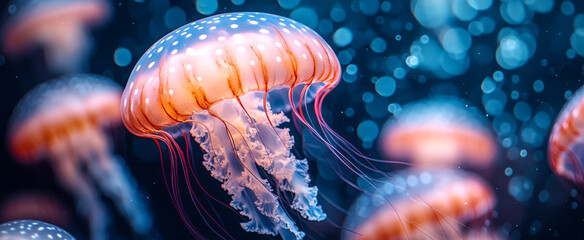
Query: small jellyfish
{"points": [[430, 203], [439, 132], [216, 78], [566, 144], [63, 121], [32, 229], [58, 26]]}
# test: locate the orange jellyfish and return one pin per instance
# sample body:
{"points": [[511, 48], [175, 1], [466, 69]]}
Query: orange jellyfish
{"points": [[58, 26], [63, 121], [215, 78], [430, 203], [438, 132], [565, 148]]}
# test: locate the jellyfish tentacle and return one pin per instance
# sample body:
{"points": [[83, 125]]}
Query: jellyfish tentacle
{"points": [[305, 197], [252, 146], [65, 165]]}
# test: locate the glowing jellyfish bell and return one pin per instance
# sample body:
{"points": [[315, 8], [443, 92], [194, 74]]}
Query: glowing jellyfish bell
{"points": [[215, 77], [64, 121], [58, 26], [565, 148], [438, 132], [427, 203], [32, 229]]}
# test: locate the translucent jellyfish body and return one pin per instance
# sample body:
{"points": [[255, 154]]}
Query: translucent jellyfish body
{"points": [[215, 77], [63, 121], [425, 204], [58, 26], [566, 143], [438, 132], [32, 229]]}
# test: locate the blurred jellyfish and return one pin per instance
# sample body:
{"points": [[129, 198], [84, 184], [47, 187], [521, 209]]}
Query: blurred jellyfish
{"points": [[58, 26], [425, 204], [217, 77], [63, 121], [439, 132], [42, 206], [32, 229], [566, 145]]}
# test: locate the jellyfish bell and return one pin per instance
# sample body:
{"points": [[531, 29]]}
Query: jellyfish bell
{"points": [[63, 121], [426, 203], [69, 107], [565, 148], [32, 229], [223, 78], [439, 132], [58, 26]]}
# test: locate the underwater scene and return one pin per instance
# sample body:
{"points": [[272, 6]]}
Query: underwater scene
{"points": [[291, 119]]}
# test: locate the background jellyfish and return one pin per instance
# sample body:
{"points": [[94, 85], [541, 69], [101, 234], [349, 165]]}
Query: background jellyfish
{"points": [[425, 204], [58, 26], [565, 143], [63, 121], [439, 132], [213, 77], [32, 229]]}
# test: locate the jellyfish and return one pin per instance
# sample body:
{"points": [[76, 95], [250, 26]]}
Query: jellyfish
{"points": [[64, 121], [58, 26], [429, 203], [565, 148], [214, 78], [32, 229], [439, 132]]}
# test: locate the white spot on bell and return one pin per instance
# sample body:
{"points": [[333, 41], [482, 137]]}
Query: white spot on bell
{"points": [[170, 92], [151, 64], [279, 59], [252, 62], [264, 31], [234, 26], [203, 36]]}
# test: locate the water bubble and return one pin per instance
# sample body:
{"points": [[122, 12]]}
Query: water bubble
{"points": [[463, 11], [520, 188], [367, 131], [174, 17], [207, 7], [305, 15], [369, 7], [538, 86], [456, 41], [122, 56], [522, 111], [488, 85], [567, 8], [288, 4], [480, 4], [343, 37], [378, 45], [431, 13], [385, 86]]}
